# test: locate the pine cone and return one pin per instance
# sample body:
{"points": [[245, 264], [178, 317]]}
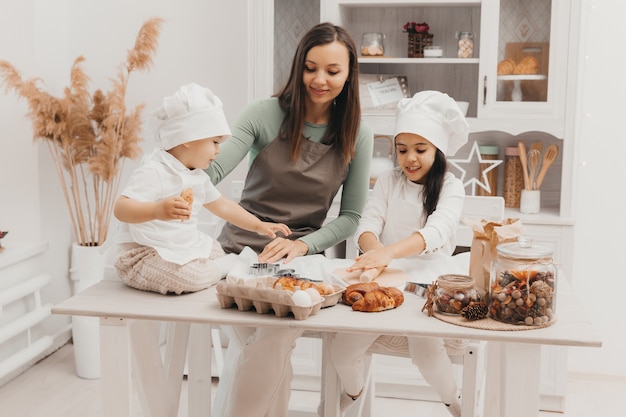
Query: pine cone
{"points": [[475, 311]]}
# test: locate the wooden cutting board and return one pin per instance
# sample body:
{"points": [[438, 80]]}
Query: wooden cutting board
{"points": [[390, 277]]}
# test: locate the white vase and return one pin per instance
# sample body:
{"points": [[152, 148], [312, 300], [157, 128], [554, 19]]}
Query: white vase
{"points": [[86, 269]]}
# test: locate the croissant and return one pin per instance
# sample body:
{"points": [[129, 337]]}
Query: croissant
{"points": [[528, 65], [290, 283], [506, 67], [355, 292], [383, 298]]}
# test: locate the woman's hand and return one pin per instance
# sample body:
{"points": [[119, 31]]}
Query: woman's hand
{"points": [[270, 229], [283, 248]]}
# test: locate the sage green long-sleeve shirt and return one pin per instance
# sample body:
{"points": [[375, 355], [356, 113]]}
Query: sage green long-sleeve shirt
{"points": [[258, 125]]}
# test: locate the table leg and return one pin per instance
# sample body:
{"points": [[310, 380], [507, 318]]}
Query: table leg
{"points": [[512, 380], [199, 370], [158, 384], [330, 381], [115, 363]]}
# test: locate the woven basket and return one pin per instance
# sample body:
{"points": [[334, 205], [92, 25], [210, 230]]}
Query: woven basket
{"points": [[417, 42]]}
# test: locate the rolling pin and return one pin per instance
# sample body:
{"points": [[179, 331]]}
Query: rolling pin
{"points": [[370, 274]]}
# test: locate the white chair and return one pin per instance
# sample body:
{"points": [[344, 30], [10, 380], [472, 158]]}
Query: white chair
{"points": [[491, 208]]}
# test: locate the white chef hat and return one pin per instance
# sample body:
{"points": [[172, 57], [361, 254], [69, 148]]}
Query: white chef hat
{"points": [[192, 113], [434, 116]]}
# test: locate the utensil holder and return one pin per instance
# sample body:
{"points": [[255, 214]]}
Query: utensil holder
{"points": [[530, 201]]}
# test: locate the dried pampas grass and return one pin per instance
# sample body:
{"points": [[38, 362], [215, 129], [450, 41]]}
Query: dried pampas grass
{"points": [[89, 136]]}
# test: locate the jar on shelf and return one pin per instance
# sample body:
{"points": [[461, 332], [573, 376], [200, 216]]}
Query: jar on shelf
{"points": [[489, 153], [465, 44], [372, 44], [523, 284], [455, 292], [513, 177]]}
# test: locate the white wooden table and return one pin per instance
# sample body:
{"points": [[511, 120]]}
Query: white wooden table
{"points": [[129, 345]]}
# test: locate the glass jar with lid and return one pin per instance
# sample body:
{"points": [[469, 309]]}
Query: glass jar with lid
{"points": [[465, 44], [372, 44], [455, 292], [523, 284]]}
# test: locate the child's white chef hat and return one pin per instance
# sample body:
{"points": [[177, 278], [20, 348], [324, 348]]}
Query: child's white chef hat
{"points": [[434, 116], [192, 113]]}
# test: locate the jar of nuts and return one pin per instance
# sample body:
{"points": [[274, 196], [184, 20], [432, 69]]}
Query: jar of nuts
{"points": [[523, 284], [372, 44], [466, 44], [454, 292]]}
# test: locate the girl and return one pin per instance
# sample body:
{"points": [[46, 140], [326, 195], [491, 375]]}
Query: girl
{"points": [[413, 213]]}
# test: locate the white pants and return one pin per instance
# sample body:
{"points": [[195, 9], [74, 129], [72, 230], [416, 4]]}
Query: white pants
{"points": [[256, 380], [428, 354]]}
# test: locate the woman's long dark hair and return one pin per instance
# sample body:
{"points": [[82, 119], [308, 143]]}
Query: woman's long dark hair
{"points": [[345, 114], [434, 182]]}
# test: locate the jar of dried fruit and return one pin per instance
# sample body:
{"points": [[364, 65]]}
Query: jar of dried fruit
{"points": [[523, 284], [455, 292]]}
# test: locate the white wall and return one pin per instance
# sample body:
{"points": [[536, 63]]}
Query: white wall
{"points": [[600, 221], [200, 44]]}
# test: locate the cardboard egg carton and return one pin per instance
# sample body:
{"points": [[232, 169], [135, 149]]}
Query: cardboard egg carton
{"points": [[258, 293]]}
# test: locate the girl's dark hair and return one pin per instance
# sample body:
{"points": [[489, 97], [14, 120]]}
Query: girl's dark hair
{"points": [[345, 114], [434, 182]]}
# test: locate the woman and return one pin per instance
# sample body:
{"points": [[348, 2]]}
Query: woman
{"points": [[304, 145], [413, 214]]}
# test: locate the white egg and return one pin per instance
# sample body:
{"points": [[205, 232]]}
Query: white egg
{"points": [[314, 294], [301, 299]]}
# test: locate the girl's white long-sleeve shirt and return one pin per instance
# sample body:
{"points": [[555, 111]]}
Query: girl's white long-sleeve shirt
{"points": [[395, 210]]}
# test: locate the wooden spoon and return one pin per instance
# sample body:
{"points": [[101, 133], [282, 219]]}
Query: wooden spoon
{"points": [[534, 157], [522, 157], [548, 158]]}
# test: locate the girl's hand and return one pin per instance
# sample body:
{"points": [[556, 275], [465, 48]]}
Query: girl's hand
{"points": [[172, 208], [270, 229], [283, 248], [376, 258]]}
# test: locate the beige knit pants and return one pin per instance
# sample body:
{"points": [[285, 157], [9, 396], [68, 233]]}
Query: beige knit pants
{"points": [[142, 268]]}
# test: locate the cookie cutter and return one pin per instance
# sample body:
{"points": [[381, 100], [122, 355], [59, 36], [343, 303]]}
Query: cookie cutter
{"points": [[290, 272], [287, 272], [416, 288], [263, 268]]}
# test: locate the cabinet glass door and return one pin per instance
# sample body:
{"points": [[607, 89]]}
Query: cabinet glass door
{"points": [[523, 50], [524, 58]]}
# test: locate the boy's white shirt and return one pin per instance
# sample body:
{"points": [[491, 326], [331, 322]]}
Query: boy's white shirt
{"points": [[161, 175]]}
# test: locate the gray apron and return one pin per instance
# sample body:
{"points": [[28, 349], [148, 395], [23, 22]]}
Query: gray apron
{"points": [[297, 193]]}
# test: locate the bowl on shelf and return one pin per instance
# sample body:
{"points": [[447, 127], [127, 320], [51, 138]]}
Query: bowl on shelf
{"points": [[433, 52]]}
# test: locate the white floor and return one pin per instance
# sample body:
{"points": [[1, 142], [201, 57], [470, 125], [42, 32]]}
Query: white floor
{"points": [[52, 389]]}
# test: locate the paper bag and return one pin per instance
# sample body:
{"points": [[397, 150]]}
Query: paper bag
{"points": [[487, 236]]}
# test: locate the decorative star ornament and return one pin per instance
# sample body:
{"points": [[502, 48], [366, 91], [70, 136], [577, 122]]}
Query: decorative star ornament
{"points": [[474, 156]]}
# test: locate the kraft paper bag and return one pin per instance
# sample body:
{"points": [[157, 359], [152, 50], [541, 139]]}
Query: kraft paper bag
{"points": [[487, 236]]}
